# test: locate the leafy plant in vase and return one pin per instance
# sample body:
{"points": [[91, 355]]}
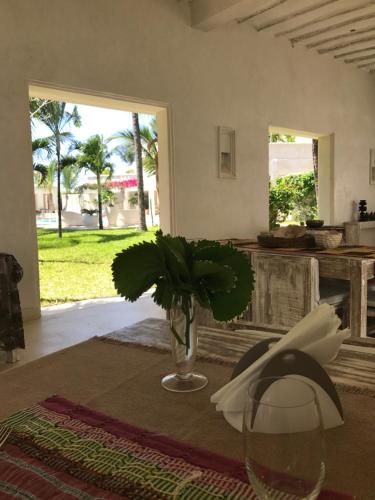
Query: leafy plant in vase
{"points": [[218, 277]]}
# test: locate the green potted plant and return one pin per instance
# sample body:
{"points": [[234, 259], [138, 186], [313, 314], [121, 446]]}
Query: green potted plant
{"points": [[218, 277], [90, 217]]}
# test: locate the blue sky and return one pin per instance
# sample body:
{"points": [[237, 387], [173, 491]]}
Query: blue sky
{"points": [[101, 121]]}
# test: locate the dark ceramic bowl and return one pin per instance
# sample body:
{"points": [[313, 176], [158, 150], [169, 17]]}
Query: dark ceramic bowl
{"points": [[313, 224]]}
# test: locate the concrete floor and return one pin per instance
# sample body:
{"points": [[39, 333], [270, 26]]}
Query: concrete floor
{"points": [[68, 324]]}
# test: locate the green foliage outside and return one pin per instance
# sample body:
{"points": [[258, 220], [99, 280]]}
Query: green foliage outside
{"points": [[78, 267], [281, 138], [94, 157], [108, 197], [292, 195], [149, 142], [56, 118], [133, 199]]}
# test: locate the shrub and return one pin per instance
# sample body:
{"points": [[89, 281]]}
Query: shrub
{"points": [[108, 197], [133, 199], [292, 194]]}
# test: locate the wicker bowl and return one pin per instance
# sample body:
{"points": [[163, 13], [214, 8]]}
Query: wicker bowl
{"points": [[328, 239], [313, 224], [269, 241]]}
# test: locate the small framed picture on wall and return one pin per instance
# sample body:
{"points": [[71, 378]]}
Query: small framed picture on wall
{"points": [[227, 153], [372, 166]]}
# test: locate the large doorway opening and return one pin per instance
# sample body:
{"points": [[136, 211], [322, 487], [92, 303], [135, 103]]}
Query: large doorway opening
{"points": [[300, 177], [87, 186]]}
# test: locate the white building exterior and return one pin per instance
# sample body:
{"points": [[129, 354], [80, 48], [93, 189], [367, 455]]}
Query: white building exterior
{"points": [[123, 213], [289, 158]]}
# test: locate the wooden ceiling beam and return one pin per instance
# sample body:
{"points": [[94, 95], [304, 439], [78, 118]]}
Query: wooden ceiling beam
{"points": [[339, 46], [352, 52], [344, 28], [359, 59], [210, 14], [367, 65], [354, 34], [327, 17], [293, 15], [332, 27], [261, 11]]}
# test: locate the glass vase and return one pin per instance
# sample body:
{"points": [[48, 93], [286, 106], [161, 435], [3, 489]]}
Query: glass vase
{"points": [[184, 344]]}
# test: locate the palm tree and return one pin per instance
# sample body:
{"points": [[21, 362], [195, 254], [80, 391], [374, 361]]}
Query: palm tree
{"points": [[49, 182], [139, 166], [51, 176], [149, 144], [149, 147], [94, 156], [55, 116], [39, 147], [35, 105], [70, 175]]}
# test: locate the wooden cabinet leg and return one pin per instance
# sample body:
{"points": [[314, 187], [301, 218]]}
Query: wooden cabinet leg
{"points": [[12, 356], [358, 298]]}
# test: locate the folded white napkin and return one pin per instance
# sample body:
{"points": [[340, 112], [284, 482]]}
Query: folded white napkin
{"points": [[317, 335]]}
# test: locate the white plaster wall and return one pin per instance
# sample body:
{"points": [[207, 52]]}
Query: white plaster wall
{"points": [[147, 49]]}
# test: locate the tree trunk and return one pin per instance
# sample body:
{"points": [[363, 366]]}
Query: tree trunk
{"points": [[59, 201], [139, 166], [315, 152], [157, 183], [99, 201]]}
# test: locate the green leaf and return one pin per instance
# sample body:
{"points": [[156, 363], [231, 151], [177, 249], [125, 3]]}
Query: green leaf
{"points": [[136, 269], [175, 257], [218, 276], [213, 276], [200, 293], [163, 294], [227, 305], [217, 253], [197, 246]]}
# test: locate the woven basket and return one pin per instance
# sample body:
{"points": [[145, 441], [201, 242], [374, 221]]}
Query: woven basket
{"points": [[327, 239]]}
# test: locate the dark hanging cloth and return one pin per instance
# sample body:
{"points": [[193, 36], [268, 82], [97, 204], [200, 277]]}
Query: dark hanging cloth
{"points": [[11, 325]]}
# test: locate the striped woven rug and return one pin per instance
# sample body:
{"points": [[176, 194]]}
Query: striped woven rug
{"points": [[352, 371], [62, 450]]}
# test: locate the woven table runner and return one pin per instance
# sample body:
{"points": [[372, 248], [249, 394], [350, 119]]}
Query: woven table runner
{"points": [[353, 370], [58, 449], [363, 251]]}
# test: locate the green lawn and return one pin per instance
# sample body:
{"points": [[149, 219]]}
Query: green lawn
{"points": [[78, 266]]}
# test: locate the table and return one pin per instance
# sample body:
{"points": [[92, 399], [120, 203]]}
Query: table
{"points": [[124, 381], [353, 264]]}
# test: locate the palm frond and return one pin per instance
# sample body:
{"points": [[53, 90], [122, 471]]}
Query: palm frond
{"points": [[51, 175], [42, 170], [125, 152], [66, 136], [42, 148], [149, 144], [53, 115], [125, 135], [40, 143], [70, 176], [67, 161], [94, 155]]}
